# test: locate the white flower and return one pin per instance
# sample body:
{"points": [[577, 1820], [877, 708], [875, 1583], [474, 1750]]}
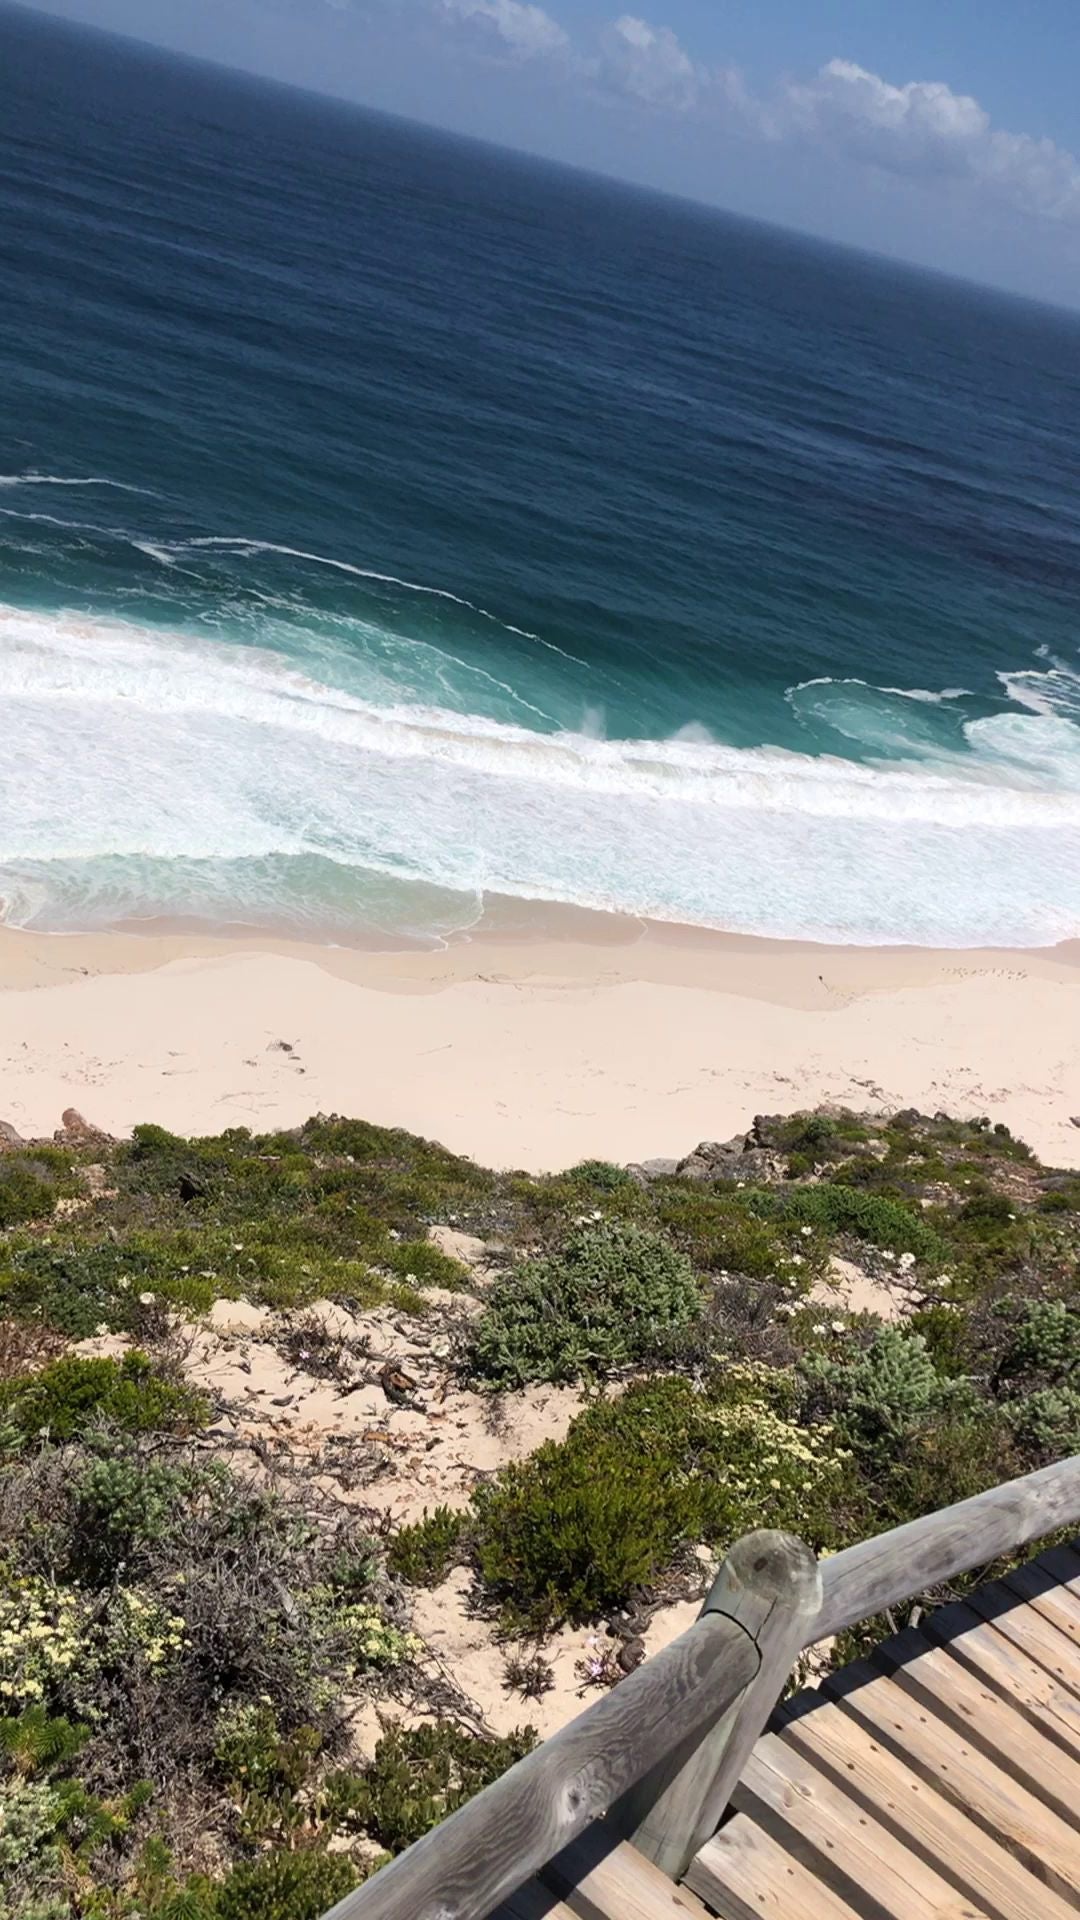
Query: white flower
{"points": [[797, 1260], [597, 1214], [101, 1331], [806, 1232], [838, 1326], [907, 1261], [147, 1299]]}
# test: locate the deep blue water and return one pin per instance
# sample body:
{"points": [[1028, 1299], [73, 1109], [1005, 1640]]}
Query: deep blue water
{"points": [[388, 522]]}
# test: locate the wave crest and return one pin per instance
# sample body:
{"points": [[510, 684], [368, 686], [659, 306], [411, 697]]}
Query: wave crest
{"points": [[139, 744]]}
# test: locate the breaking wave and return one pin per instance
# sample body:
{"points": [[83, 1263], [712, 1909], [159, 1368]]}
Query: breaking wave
{"points": [[143, 762]]}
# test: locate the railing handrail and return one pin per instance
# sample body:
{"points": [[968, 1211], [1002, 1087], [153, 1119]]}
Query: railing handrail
{"points": [[668, 1709], [892, 1567], [551, 1796]]}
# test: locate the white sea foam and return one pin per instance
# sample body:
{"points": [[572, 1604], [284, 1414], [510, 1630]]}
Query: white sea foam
{"points": [[125, 742], [67, 480], [242, 547]]}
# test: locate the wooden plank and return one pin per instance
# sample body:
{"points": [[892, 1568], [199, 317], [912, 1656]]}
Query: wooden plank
{"points": [[1035, 1636], [979, 1713], [1062, 1563], [839, 1842], [1045, 1844], [1001, 1664], [744, 1874], [477, 1858], [931, 1828], [601, 1879], [879, 1573], [1049, 1598], [533, 1902], [770, 1584]]}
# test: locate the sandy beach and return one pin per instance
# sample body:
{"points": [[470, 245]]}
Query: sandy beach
{"points": [[582, 1037]]}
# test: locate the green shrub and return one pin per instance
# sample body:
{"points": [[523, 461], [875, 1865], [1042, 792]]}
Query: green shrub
{"points": [[123, 1507], [424, 1553], [285, 1886], [425, 1264], [599, 1176], [886, 1392], [1047, 1422], [66, 1397], [582, 1524], [611, 1296], [421, 1775], [26, 1190], [1045, 1347], [721, 1233], [836, 1208]]}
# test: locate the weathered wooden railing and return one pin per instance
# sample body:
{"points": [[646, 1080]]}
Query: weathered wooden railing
{"points": [[659, 1756]]}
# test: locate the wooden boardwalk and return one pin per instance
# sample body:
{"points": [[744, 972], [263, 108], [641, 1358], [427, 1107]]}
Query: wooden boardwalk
{"points": [[938, 1781]]}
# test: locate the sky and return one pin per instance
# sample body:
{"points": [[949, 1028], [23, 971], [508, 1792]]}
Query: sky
{"points": [[946, 132]]}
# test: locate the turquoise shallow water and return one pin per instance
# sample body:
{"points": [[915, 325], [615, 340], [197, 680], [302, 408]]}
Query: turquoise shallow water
{"points": [[387, 522]]}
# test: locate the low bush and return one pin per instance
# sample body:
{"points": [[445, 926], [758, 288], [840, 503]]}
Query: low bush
{"points": [[284, 1886], [421, 1775], [611, 1296], [585, 1523], [887, 1392], [28, 1190], [424, 1553], [131, 1394], [836, 1208]]}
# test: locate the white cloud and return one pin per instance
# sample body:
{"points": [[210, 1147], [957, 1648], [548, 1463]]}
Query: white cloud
{"points": [[523, 29], [650, 64], [924, 129]]}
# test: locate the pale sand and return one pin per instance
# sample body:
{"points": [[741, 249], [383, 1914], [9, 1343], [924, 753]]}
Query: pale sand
{"points": [[589, 1039]]}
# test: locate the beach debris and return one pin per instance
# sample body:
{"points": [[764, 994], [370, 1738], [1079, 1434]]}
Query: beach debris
{"points": [[398, 1385]]}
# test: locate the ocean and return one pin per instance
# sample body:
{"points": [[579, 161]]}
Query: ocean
{"points": [[390, 525]]}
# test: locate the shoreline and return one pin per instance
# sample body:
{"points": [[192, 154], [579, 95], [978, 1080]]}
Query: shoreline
{"points": [[577, 1037]]}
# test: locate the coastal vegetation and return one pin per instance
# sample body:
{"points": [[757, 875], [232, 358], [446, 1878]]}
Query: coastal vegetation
{"points": [[216, 1700]]}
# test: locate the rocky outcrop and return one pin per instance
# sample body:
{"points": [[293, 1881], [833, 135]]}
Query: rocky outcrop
{"points": [[74, 1131]]}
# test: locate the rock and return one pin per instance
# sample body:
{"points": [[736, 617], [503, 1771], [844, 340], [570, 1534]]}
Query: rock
{"points": [[74, 1131], [713, 1159], [643, 1172], [10, 1137], [737, 1159], [631, 1654], [1074, 1119]]}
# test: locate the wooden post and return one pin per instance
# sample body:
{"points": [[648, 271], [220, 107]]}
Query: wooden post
{"points": [[490, 1847], [771, 1586]]}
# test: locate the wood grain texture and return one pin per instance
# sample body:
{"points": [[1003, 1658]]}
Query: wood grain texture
{"points": [[880, 1573], [770, 1584], [991, 1795], [599, 1880], [1029, 1630], [492, 1846], [979, 1713], [1047, 1598], [931, 1828], [838, 1842], [1001, 1664], [744, 1874]]}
